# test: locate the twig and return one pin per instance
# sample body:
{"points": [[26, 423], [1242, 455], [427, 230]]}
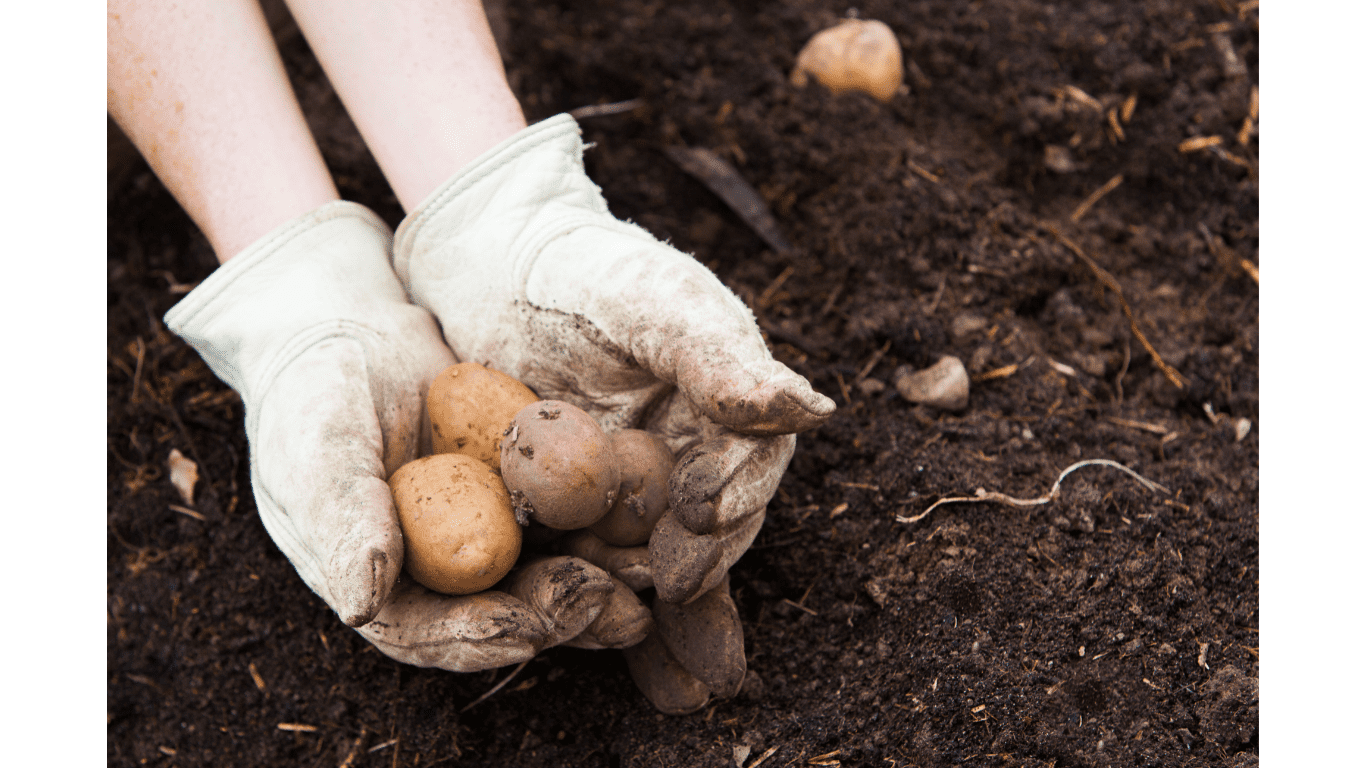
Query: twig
{"points": [[1119, 377], [137, 372], [1196, 143], [766, 298], [726, 183], [1109, 281], [496, 688], [1156, 429], [603, 110], [938, 294], [1095, 197], [921, 172], [188, 512], [872, 362], [985, 495]]}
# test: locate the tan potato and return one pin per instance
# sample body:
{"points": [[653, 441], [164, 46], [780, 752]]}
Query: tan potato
{"points": [[460, 534], [470, 406], [559, 466], [645, 463], [855, 55]]}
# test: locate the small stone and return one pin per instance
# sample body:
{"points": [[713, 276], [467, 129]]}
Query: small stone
{"points": [[967, 323], [942, 385], [1058, 159], [1241, 428], [184, 474], [871, 386]]}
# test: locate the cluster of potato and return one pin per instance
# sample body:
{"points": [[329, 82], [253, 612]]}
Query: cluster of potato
{"points": [[503, 459]]}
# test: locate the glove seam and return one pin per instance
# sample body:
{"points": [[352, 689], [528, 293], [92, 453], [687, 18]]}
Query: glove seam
{"points": [[299, 344], [222, 279]]}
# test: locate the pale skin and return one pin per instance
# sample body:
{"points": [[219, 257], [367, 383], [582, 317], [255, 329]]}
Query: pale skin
{"points": [[200, 90]]}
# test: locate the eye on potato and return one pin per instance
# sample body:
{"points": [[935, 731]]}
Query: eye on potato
{"points": [[645, 463], [470, 406], [559, 465]]}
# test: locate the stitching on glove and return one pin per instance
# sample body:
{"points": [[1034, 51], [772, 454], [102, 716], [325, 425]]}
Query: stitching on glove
{"points": [[301, 343], [227, 275]]}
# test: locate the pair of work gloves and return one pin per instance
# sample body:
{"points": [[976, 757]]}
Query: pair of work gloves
{"points": [[331, 331]]}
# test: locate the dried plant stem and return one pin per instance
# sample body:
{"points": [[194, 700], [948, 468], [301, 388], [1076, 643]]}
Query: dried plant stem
{"points": [[497, 687], [1095, 197], [985, 495], [1109, 281]]}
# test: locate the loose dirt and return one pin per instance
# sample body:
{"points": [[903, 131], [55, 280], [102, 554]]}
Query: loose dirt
{"points": [[1114, 626]]}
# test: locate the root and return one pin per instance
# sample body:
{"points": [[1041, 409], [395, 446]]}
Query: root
{"points": [[985, 495]]}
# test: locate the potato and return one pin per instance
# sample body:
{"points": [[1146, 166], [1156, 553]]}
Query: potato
{"points": [[470, 406], [460, 534], [855, 55], [559, 466], [645, 463]]}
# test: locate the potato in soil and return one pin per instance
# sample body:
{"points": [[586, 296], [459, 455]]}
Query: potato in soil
{"points": [[460, 534], [470, 406], [559, 466], [645, 463]]}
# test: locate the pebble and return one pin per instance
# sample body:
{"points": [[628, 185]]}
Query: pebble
{"points": [[966, 323], [871, 386], [942, 385]]}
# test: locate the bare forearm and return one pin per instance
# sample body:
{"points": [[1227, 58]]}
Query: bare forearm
{"points": [[200, 90], [421, 78]]}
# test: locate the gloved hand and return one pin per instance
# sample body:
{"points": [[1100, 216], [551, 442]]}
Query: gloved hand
{"points": [[313, 330], [529, 273]]}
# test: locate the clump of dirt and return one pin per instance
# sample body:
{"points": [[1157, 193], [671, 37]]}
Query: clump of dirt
{"points": [[1114, 626]]}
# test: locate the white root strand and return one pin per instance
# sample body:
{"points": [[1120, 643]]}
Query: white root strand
{"points": [[983, 494]]}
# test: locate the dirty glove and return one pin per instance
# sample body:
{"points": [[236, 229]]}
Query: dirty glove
{"points": [[312, 329], [529, 273]]}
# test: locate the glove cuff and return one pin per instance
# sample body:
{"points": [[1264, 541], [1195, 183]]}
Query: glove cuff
{"points": [[259, 303], [511, 190]]}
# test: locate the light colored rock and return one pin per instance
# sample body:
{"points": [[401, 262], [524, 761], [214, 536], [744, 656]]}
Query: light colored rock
{"points": [[871, 386], [942, 385], [965, 323]]}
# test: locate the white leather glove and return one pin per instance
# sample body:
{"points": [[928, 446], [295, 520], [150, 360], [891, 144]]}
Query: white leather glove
{"points": [[529, 273], [313, 330]]}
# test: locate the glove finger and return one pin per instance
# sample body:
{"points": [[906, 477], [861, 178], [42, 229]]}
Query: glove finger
{"points": [[658, 675], [726, 478], [656, 307], [685, 564], [629, 564], [461, 634], [705, 637], [318, 464], [624, 621], [566, 593]]}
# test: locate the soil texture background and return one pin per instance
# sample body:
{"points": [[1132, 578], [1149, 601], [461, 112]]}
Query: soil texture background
{"points": [[1114, 626]]}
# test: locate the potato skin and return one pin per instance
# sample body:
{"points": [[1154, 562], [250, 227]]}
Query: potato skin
{"points": [[470, 406], [559, 465], [460, 535], [645, 463]]}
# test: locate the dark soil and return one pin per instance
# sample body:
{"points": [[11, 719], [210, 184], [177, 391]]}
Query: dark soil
{"points": [[1115, 626]]}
